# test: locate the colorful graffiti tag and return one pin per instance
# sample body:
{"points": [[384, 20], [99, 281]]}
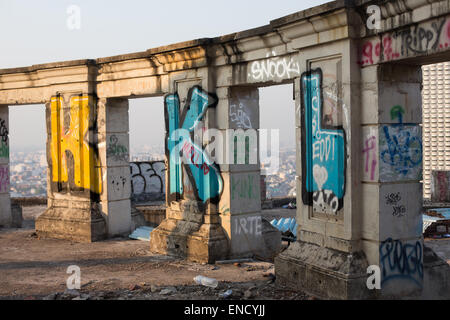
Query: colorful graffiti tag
{"points": [[400, 152], [323, 150], [75, 162], [440, 186], [370, 153], [4, 140], [184, 154], [400, 260], [117, 151]]}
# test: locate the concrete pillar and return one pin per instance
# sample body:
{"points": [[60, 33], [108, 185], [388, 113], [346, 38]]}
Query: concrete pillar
{"points": [[5, 202], [75, 183], [362, 195], [113, 138], [192, 228], [392, 198], [240, 204], [327, 260]]}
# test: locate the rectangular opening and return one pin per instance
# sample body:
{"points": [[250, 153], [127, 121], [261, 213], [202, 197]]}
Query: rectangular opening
{"points": [[279, 185], [28, 161], [147, 157]]}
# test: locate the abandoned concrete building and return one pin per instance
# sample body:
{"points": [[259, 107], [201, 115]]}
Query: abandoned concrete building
{"points": [[358, 102]]}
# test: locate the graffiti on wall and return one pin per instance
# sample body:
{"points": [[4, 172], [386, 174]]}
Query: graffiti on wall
{"points": [[248, 226], [323, 150], [244, 187], [400, 260], [395, 201], [4, 179], [273, 68], [4, 140], [239, 115], [75, 163], [440, 186], [188, 160], [400, 152], [370, 156], [423, 38], [147, 180], [116, 150]]}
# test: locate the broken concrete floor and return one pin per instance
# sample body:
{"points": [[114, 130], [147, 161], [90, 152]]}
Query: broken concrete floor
{"points": [[123, 269], [119, 269]]}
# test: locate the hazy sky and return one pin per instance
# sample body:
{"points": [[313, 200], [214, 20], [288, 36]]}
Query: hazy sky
{"points": [[36, 32]]}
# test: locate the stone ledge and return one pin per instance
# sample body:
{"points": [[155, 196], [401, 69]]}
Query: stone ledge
{"points": [[69, 224], [199, 243]]}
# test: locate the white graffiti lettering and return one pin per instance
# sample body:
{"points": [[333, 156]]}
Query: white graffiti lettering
{"points": [[274, 68]]}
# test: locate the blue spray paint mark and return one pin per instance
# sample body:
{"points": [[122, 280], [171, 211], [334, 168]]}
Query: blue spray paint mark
{"points": [[183, 152], [323, 149], [401, 261], [403, 150]]}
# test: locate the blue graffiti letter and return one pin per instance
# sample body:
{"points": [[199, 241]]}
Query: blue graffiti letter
{"points": [[323, 150]]}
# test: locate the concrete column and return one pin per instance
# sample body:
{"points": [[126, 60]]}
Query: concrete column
{"points": [[360, 164], [194, 184], [5, 202], [327, 260], [75, 182], [240, 204], [113, 138], [391, 154]]}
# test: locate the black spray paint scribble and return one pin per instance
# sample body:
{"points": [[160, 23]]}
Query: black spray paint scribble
{"points": [[147, 180], [393, 200], [3, 131]]}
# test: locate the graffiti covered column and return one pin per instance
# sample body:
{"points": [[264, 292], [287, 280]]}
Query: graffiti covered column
{"points": [[113, 144], [194, 182], [75, 173], [5, 202], [391, 174], [240, 204]]}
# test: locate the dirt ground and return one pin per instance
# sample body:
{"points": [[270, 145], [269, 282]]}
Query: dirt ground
{"points": [[124, 269], [119, 269]]}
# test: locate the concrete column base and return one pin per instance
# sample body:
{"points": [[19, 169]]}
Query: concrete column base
{"points": [[137, 219], [323, 272], [436, 280], [80, 225], [204, 243]]}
